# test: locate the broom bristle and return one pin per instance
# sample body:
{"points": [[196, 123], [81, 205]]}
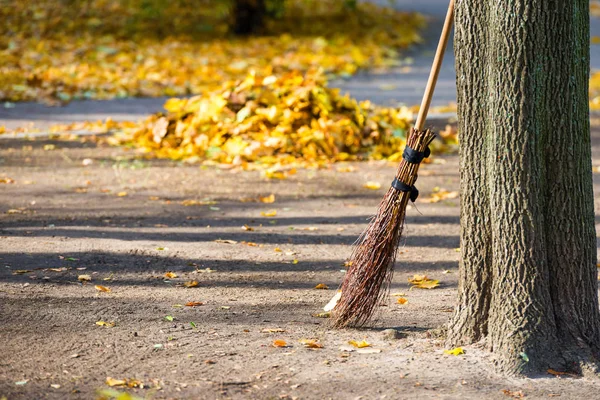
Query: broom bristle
{"points": [[371, 268]]}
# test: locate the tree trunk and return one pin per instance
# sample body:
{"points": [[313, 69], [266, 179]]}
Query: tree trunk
{"points": [[248, 16], [528, 285]]}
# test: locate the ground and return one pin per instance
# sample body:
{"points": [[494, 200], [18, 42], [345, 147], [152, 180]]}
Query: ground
{"points": [[69, 215], [101, 211]]}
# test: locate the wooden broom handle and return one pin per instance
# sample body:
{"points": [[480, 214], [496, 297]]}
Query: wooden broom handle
{"points": [[435, 69]]}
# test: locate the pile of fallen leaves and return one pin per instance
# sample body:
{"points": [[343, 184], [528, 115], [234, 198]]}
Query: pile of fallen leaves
{"points": [[103, 49], [273, 120]]}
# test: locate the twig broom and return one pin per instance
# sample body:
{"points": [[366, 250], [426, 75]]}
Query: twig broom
{"points": [[367, 280]]}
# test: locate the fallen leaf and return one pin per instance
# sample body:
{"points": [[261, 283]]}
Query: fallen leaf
{"points": [[514, 395], [279, 343], [311, 343], [190, 284], [439, 194], [7, 180], [559, 373], [21, 383], [267, 199], [455, 351], [368, 351], [115, 382], [277, 250], [194, 303], [247, 228], [22, 271], [121, 194], [84, 278], [333, 302], [372, 185], [323, 315], [102, 288], [273, 330], [322, 286], [170, 275], [55, 386], [359, 345], [106, 324], [402, 300], [226, 241], [423, 282], [270, 213], [169, 318]]}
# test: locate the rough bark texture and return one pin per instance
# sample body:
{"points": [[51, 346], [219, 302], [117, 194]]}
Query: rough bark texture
{"points": [[528, 284]]}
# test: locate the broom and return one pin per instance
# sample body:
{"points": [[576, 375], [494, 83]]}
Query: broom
{"points": [[372, 261]]}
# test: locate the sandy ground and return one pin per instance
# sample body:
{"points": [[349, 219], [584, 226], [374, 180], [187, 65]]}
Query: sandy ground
{"points": [[61, 214]]}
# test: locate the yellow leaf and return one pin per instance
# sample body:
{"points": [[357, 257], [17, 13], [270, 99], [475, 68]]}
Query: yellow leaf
{"points": [[455, 351], [372, 185], [226, 241], [277, 250], [360, 345], [322, 286], [122, 194], [101, 288], [595, 40], [279, 343], [190, 284], [430, 284], [267, 199], [402, 300], [326, 314], [107, 324], [247, 228], [311, 343], [273, 330], [170, 275], [423, 282], [84, 278], [115, 382], [270, 213]]}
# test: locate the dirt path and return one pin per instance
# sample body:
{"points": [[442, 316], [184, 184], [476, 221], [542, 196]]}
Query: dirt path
{"points": [[67, 215]]}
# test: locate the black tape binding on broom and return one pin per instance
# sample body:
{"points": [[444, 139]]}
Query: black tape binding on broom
{"points": [[414, 157], [403, 187]]}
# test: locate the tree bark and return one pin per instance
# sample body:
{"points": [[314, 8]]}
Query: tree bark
{"points": [[248, 16], [528, 286]]}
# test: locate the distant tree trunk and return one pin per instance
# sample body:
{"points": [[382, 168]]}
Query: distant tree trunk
{"points": [[528, 284], [248, 16]]}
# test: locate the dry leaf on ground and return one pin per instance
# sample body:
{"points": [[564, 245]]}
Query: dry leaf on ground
{"points": [[106, 324], [360, 345], [311, 343], [455, 351]]}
